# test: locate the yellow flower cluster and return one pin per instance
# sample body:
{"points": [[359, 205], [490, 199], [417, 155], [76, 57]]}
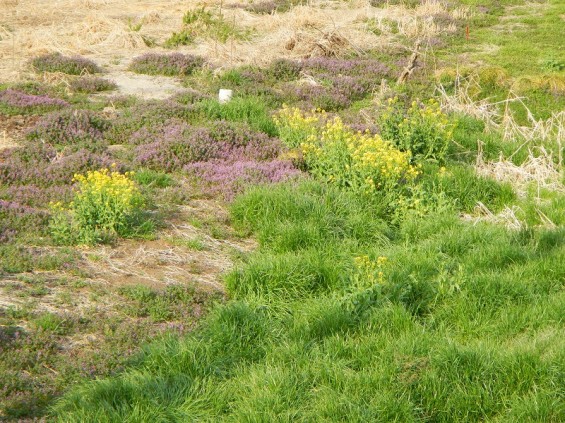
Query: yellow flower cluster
{"points": [[423, 129], [370, 271], [296, 126], [354, 160], [104, 206], [108, 186], [104, 201]]}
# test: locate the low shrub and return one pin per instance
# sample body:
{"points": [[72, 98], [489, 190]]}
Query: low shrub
{"points": [[229, 178], [175, 64], [35, 196], [148, 116], [16, 217], [56, 62], [178, 145], [70, 128], [41, 165], [317, 96], [368, 69], [284, 69]]}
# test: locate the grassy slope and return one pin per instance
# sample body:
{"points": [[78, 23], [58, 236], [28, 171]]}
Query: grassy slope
{"points": [[466, 326]]}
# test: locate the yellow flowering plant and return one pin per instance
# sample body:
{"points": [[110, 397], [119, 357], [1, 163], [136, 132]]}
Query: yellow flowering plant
{"points": [[423, 129], [369, 272], [353, 160], [295, 126], [106, 204], [367, 285]]}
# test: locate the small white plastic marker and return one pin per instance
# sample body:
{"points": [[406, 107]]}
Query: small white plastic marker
{"points": [[224, 95]]}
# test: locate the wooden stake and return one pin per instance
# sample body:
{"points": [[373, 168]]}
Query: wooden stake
{"points": [[407, 71]]}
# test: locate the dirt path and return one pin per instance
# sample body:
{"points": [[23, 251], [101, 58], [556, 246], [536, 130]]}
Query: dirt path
{"points": [[144, 86], [184, 253], [12, 129]]}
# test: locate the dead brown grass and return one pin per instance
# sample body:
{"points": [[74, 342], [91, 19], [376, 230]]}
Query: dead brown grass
{"points": [[538, 170], [107, 30]]}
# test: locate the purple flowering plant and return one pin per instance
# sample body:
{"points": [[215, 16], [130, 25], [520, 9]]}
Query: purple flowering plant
{"points": [[14, 102], [56, 62], [174, 64]]}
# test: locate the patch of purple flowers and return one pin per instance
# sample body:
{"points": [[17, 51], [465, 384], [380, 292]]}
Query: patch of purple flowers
{"points": [[17, 208], [13, 101], [229, 178], [318, 96], [146, 115], [37, 196], [58, 170], [15, 216], [92, 85], [178, 144], [340, 81], [174, 64], [369, 68], [56, 62], [69, 127]]}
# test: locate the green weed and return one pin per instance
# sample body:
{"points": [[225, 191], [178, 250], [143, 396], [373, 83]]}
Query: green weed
{"points": [[202, 23]]}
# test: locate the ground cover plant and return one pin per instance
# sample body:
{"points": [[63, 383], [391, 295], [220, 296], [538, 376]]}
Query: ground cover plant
{"points": [[13, 102], [335, 243], [92, 85], [56, 62], [174, 64]]}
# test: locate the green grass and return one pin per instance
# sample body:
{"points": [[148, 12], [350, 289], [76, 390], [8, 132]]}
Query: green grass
{"points": [[523, 40], [527, 39], [250, 110], [466, 325]]}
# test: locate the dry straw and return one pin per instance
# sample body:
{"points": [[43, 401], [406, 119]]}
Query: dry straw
{"points": [[113, 31]]}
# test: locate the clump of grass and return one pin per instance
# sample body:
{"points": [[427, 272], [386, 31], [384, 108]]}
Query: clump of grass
{"points": [[92, 85], [174, 302], [267, 7], [250, 110], [56, 62], [150, 178], [175, 64]]}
